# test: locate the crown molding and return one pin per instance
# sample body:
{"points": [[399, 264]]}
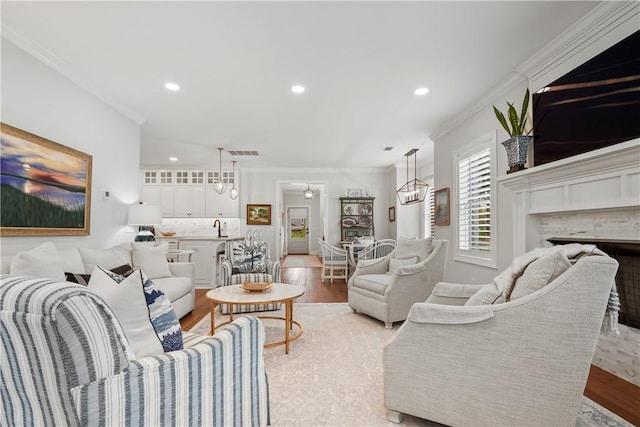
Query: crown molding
{"points": [[607, 23], [477, 106], [63, 68]]}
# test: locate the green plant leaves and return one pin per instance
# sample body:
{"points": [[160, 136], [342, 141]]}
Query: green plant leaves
{"points": [[516, 121]]}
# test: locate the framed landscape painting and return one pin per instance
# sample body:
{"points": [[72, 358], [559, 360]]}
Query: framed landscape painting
{"points": [[45, 187], [259, 214], [441, 206]]}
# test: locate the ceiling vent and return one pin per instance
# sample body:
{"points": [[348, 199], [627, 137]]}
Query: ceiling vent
{"points": [[388, 148], [242, 153]]}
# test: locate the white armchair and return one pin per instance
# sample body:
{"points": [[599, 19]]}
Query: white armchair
{"points": [[386, 288], [524, 362]]}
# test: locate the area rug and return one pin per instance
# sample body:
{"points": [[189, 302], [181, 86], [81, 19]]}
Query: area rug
{"points": [[332, 375], [302, 261]]}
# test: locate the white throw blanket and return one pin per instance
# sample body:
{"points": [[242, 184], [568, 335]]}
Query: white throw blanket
{"points": [[507, 278]]}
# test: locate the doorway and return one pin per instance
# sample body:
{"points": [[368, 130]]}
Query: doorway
{"points": [[298, 230]]}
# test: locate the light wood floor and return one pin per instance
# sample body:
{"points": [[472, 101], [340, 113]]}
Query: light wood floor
{"points": [[619, 396]]}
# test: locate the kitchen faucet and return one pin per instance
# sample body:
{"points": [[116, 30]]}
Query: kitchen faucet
{"points": [[217, 221]]}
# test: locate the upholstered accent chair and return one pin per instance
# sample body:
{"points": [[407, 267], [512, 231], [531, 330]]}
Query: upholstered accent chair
{"points": [[249, 261], [66, 361], [386, 288], [335, 262], [522, 362]]}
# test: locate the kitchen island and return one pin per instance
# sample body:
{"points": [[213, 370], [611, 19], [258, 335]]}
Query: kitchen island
{"points": [[208, 251]]}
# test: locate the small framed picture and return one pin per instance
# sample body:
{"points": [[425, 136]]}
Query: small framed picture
{"points": [[258, 214], [392, 214], [441, 206], [354, 192]]}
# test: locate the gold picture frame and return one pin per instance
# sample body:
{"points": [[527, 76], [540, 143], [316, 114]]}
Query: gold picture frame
{"points": [[258, 214], [45, 186], [441, 206]]}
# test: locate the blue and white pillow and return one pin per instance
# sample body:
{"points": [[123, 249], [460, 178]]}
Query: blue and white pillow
{"points": [[161, 313]]}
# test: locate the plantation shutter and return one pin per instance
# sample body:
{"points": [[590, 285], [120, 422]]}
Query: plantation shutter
{"points": [[429, 217], [474, 201]]}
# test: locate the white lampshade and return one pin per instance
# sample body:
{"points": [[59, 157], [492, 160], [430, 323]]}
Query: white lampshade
{"points": [[144, 214]]}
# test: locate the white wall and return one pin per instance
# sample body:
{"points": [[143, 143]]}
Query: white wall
{"points": [[41, 101], [259, 186]]}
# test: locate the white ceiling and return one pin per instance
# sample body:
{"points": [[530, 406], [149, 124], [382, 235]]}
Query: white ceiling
{"points": [[236, 61]]}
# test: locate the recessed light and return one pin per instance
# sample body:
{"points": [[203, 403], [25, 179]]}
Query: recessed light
{"points": [[421, 91], [172, 86], [297, 89], [173, 159]]}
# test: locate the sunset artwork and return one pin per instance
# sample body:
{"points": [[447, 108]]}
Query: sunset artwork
{"points": [[45, 187]]}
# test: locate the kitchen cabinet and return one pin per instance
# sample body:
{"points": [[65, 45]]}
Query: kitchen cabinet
{"points": [[356, 218], [189, 201], [220, 205], [202, 257], [159, 195]]}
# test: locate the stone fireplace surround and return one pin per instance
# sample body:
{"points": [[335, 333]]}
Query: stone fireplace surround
{"points": [[595, 195]]}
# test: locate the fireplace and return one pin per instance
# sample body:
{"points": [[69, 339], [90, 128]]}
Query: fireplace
{"points": [[627, 253]]}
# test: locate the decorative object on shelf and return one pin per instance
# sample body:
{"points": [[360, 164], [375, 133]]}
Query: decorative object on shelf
{"points": [[308, 193], [365, 209], [441, 206], [168, 233], [53, 180], [348, 209], [392, 214], [518, 145], [349, 222], [354, 192], [219, 184], [413, 191], [256, 287], [365, 221], [144, 216], [234, 192], [259, 214]]}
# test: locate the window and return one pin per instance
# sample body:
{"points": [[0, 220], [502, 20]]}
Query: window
{"points": [[475, 202], [428, 228]]}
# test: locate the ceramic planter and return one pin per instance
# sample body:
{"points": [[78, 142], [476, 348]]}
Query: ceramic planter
{"points": [[517, 147]]}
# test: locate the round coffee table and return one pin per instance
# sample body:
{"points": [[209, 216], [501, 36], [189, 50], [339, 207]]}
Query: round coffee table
{"points": [[278, 292]]}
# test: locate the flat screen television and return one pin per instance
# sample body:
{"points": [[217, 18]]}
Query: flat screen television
{"points": [[593, 106]]}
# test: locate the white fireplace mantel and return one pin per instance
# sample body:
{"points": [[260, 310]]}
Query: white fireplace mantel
{"points": [[607, 178]]}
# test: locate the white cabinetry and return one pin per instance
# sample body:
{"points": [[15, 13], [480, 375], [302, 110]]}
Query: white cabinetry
{"points": [[202, 258], [189, 193], [189, 201], [159, 195], [220, 205]]}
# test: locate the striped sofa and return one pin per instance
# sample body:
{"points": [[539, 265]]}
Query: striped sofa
{"points": [[65, 361]]}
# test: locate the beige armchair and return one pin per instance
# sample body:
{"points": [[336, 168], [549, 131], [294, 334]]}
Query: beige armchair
{"points": [[386, 288], [519, 363]]}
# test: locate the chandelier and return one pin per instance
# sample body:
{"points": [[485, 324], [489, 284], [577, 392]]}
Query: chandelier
{"points": [[219, 184], [413, 191]]}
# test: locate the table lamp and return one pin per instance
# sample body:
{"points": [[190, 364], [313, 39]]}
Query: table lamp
{"points": [[144, 216]]}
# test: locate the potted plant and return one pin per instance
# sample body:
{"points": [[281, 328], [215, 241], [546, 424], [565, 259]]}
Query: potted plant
{"points": [[518, 144]]}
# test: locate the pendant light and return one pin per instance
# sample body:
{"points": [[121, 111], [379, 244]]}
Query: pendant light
{"points": [[308, 193], [413, 191], [234, 192], [219, 184]]}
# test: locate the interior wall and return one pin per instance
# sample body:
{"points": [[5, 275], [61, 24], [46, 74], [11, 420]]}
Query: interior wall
{"points": [[479, 124], [260, 186], [41, 101]]}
